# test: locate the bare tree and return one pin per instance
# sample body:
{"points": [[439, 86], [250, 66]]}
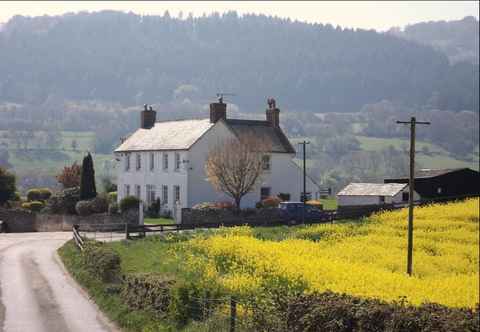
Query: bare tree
{"points": [[235, 166]]}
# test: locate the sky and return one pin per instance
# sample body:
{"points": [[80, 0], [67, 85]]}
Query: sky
{"points": [[378, 15]]}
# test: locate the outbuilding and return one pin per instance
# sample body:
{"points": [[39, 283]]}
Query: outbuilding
{"points": [[359, 194], [444, 183]]}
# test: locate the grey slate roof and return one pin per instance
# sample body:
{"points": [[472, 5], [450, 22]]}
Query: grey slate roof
{"points": [[168, 135], [182, 134], [263, 131], [372, 189]]}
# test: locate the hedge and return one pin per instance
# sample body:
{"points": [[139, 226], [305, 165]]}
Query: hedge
{"points": [[102, 261]]}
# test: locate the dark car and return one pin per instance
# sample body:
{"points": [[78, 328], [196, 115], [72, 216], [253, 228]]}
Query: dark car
{"points": [[292, 212]]}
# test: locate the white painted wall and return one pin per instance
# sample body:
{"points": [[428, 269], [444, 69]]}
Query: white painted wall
{"points": [[158, 176], [283, 177]]}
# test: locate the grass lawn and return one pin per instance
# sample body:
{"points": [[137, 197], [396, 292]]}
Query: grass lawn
{"points": [[329, 203], [158, 221]]}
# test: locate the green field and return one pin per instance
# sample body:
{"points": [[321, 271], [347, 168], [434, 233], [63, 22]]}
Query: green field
{"points": [[436, 157]]}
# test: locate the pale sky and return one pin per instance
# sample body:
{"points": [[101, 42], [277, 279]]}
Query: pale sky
{"points": [[353, 14]]}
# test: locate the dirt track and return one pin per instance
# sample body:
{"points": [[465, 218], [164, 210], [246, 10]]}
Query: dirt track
{"points": [[36, 294]]}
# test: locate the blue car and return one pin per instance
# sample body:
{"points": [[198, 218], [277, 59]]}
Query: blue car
{"points": [[292, 212]]}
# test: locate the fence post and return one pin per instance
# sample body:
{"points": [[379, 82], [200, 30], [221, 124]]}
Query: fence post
{"points": [[233, 313], [127, 235]]}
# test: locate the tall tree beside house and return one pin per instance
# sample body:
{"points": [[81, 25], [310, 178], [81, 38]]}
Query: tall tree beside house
{"points": [[88, 189], [235, 167], [7, 186], [69, 177]]}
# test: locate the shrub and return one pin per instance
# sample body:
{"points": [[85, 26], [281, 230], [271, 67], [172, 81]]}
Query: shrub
{"points": [[17, 197], [108, 185], [45, 193], [213, 205], [34, 206], [112, 197], [129, 202], [7, 186], [64, 201], [113, 208], [270, 202], [147, 291], [153, 210], [83, 208], [34, 195], [99, 204], [102, 261]]}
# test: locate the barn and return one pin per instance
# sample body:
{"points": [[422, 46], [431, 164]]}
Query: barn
{"points": [[444, 183], [361, 194]]}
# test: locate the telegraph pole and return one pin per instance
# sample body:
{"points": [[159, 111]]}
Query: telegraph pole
{"points": [[411, 184], [304, 196]]}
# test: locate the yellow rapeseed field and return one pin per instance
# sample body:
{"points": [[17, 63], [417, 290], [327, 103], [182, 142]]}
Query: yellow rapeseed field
{"points": [[366, 260]]}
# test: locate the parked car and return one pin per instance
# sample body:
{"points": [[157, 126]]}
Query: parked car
{"points": [[292, 212]]}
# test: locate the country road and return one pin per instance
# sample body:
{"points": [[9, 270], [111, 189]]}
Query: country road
{"points": [[36, 294]]}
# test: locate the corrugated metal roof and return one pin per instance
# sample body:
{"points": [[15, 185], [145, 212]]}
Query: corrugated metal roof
{"points": [[372, 189], [263, 131], [429, 173], [168, 135]]}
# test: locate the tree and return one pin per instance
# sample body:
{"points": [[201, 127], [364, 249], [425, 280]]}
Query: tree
{"points": [[7, 186], [70, 176], [87, 179], [235, 167]]}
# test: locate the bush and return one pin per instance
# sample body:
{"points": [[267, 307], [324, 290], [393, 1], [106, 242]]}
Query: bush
{"points": [[213, 205], [113, 208], [7, 186], [153, 210], [83, 208], [100, 260], [34, 195], [147, 292], [34, 206], [129, 202], [112, 197], [17, 197], [64, 201], [99, 204], [45, 193], [270, 202]]}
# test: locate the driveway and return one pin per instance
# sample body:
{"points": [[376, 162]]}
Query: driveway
{"points": [[36, 293]]}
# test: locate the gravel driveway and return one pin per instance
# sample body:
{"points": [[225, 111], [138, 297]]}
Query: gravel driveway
{"points": [[36, 293]]}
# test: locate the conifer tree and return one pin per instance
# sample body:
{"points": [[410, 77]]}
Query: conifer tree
{"points": [[87, 180]]}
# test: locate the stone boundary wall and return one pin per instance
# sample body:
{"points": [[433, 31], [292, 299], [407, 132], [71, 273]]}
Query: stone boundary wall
{"points": [[19, 221], [227, 216]]}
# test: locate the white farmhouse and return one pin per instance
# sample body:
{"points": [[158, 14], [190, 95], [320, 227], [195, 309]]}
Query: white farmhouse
{"points": [[356, 194], [166, 159]]}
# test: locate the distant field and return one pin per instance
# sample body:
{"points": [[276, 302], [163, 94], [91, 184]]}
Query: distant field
{"points": [[437, 157]]}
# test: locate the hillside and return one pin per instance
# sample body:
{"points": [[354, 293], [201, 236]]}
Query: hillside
{"points": [[457, 39], [131, 59]]}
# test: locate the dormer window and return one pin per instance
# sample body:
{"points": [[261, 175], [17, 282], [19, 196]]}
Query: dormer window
{"points": [[139, 161], [266, 162]]}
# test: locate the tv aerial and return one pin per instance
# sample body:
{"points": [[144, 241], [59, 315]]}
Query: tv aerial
{"points": [[220, 96]]}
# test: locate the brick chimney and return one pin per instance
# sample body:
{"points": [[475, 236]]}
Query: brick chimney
{"points": [[147, 117], [273, 113], [218, 111]]}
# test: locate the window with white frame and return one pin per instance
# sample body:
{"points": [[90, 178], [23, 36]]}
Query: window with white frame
{"points": [[266, 162], [138, 191], [164, 194], [139, 161], [126, 190], [152, 161], [165, 161], [176, 193], [150, 191], [127, 161], [177, 161]]}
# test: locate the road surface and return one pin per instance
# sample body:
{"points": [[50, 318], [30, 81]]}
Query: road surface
{"points": [[36, 293]]}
